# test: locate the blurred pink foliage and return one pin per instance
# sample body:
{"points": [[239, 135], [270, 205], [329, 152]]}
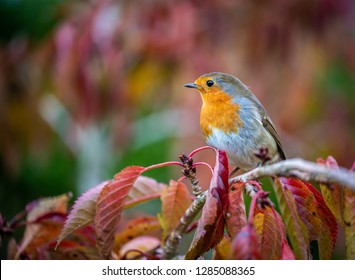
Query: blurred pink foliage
{"points": [[117, 62]]}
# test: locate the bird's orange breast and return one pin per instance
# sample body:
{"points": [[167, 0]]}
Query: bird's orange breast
{"points": [[218, 111]]}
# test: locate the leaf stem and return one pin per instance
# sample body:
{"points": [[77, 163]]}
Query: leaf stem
{"points": [[205, 164], [201, 149], [163, 164]]}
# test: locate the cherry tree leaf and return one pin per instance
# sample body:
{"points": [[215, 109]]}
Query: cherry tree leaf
{"points": [[136, 227], [314, 213], [44, 222], [333, 194], [329, 227], [222, 250], [175, 200], [235, 216], [349, 222], [286, 253], [72, 250], [109, 206], [296, 229], [83, 211], [341, 202], [210, 229], [144, 189], [245, 245], [142, 244], [269, 235]]}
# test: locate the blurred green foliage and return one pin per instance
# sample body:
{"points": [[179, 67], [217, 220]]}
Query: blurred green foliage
{"points": [[33, 19]]}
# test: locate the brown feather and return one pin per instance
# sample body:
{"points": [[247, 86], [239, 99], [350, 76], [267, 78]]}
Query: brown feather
{"points": [[269, 126]]}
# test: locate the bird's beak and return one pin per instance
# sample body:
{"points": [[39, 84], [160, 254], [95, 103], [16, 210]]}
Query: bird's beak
{"points": [[191, 85]]}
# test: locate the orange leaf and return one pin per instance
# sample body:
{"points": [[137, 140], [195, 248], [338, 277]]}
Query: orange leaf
{"points": [[42, 223], [175, 200], [109, 206], [245, 245], [296, 230], [144, 189], [136, 227], [210, 229], [141, 244], [222, 250], [269, 236], [235, 216], [349, 221]]}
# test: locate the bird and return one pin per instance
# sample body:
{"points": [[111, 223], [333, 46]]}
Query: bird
{"points": [[233, 119]]}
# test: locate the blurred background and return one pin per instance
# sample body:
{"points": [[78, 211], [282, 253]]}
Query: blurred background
{"points": [[89, 87]]}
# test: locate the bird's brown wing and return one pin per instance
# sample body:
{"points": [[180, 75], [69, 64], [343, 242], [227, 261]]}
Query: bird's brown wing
{"points": [[269, 126]]}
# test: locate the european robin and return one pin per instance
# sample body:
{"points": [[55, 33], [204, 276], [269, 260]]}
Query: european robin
{"points": [[232, 119]]}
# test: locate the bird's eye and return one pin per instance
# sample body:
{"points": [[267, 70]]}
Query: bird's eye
{"points": [[210, 83]]}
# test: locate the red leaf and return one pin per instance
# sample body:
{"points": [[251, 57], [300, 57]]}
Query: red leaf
{"points": [[314, 213], [306, 205], [329, 227], [109, 206], [296, 230], [268, 232], [83, 211], [245, 245], [235, 216], [287, 253], [211, 224]]}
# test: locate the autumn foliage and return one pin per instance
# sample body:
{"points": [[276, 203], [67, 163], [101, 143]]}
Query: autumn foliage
{"points": [[301, 222]]}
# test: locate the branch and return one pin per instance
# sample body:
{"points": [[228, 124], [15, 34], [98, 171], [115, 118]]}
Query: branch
{"points": [[301, 169]]}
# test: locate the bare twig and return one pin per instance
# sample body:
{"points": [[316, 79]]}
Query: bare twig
{"points": [[301, 169]]}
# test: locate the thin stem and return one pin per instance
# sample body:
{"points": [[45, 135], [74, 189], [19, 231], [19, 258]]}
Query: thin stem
{"points": [[205, 164], [163, 164], [201, 149]]}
